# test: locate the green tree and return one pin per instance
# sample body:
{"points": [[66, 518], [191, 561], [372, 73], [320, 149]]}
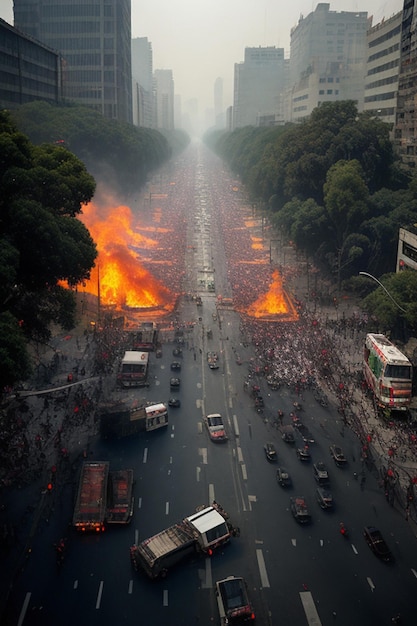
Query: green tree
{"points": [[41, 242]]}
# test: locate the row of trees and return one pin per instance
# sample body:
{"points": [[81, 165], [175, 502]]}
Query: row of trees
{"points": [[118, 153], [333, 186]]}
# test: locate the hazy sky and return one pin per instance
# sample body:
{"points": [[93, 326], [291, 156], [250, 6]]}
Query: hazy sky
{"points": [[203, 39]]}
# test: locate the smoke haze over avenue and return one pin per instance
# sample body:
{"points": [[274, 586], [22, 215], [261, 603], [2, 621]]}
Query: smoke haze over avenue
{"points": [[201, 40]]}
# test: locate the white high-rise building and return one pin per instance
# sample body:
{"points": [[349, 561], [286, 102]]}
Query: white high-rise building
{"points": [[142, 83], [164, 95]]}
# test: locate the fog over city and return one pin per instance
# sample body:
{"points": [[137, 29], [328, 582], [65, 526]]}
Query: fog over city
{"points": [[201, 40]]}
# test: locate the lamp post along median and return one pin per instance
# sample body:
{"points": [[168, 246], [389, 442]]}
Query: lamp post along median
{"points": [[384, 288]]}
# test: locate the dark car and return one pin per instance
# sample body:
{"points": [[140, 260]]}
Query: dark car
{"points": [[337, 455], [305, 434], [288, 434], [233, 601], [324, 498], [175, 383], [320, 472], [175, 365], [376, 542], [300, 510], [304, 454], [270, 451], [177, 352], [174, 402], [283, 477]]}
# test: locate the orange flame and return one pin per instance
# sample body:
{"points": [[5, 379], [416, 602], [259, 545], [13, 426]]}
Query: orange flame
{"points": [[274, 302], [119, 276]]}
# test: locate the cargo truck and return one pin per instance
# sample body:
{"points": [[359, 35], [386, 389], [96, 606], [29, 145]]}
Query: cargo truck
{"points": [[91, 502], [134, 369], [119, 420], [120, 497], [198, 534]]}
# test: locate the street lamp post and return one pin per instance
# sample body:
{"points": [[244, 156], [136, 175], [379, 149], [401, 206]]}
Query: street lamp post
{"points": [[384, 288]]}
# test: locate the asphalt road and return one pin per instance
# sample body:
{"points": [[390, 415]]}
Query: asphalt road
{"points": [[296, 575]]}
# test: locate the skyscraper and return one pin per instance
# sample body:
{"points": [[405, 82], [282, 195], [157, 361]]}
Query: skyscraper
{"points": [[258, 86], [94, 38], [164, 90], [142, 83]]}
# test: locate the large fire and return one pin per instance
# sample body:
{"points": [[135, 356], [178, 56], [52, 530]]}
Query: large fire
{"points": [[119, 277], [273, 303]]}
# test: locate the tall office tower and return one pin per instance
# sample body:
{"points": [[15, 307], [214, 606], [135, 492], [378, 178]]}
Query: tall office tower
{"points": [[94, 39], [259, 83], [405, 132], [142, 83], [219, 114], [164, 94], [382, 68], [328, 51]]}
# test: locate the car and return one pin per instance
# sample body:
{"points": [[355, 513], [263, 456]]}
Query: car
{"points": [[177, 352], [270, 451], [213, 360], [215, 427], [158, 353], [175, 365], [174, 402], [376, 542], [300, 510], [305, 434], [233, 601], [288, 434], [175, 383], [283, 477], [304, 454], [324, 498], [337, 455], [320, 473]]}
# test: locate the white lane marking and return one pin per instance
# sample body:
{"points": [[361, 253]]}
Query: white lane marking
{"points": [[197, 473], [130, 588], [75, 585], [309, 607], [172, 431], [244, 473], [139, 502], [414, 572], [24, 608], [262, 568], [294, 542], [165, 598], [211, 493], [354, 549], [370, 583], [199, 427], [198, 403], [250, 500], [136, 536], [100, 593], [203, 453], [321, 543], [239, 454], [145, 455], [236, 426], [166, 508], [230, 403]]}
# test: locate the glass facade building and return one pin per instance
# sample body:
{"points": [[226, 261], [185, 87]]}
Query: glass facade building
{"points": [[94, 39], [28, 69]]}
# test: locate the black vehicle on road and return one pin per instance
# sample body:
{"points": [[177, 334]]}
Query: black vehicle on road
{"points": [[337, 455], [376, 542], [283, 477]]}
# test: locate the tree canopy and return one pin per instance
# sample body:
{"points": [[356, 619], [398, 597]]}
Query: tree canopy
{"points": [[41, 243]]}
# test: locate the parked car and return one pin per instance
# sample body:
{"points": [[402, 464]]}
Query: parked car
{"points": [[320, 473], [175, 365], [270, 452], [283, 477], [174, 402], [300, 510], [376, 542], [337, 455], [175, 383], [304, 454], [215, 427], [324, 498], [233, 601]]}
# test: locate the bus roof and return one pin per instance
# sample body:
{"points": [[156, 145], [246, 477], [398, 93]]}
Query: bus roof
{"points": [[386, 349], [135, 356]]}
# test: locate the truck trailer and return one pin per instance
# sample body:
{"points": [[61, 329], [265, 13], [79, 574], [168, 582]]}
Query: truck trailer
{"points": [[199, 534], [91, 502], [120, 420]]}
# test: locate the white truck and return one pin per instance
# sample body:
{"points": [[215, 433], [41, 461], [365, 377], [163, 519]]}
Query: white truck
{"points": [[200, 533]]}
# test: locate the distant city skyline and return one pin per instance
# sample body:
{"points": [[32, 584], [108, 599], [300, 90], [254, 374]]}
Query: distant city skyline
{"points": [[201, 40]]}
